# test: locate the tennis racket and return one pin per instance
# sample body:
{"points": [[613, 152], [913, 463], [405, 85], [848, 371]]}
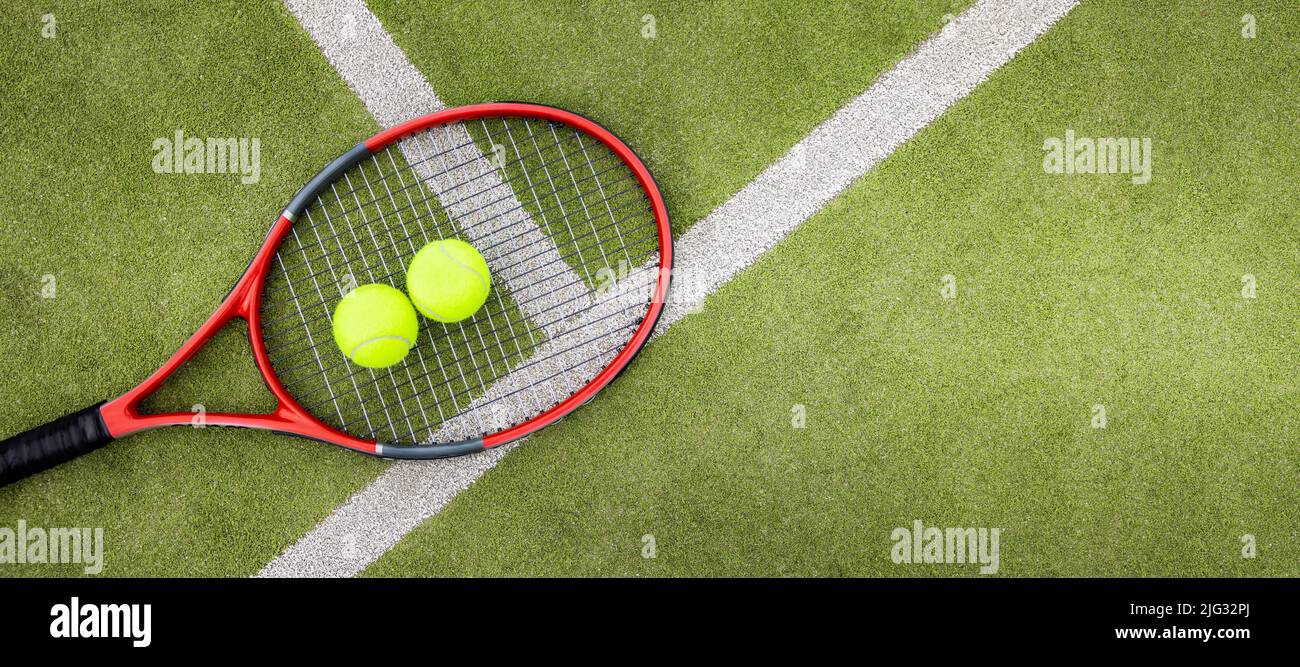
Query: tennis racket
{"points": [[577, 239]]}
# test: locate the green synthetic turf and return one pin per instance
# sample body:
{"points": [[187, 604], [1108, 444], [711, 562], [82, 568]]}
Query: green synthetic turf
{"points": [[140, 259], [721, 90], [1073, 291]]}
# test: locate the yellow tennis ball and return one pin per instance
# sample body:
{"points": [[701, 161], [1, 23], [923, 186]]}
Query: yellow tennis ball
{"points": [[448, 280], [375, 325]]}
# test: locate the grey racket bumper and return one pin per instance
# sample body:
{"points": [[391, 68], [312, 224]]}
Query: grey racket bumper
{"points": [[326, 176], [443, 451]]}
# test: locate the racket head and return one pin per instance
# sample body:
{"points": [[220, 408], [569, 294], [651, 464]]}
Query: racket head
{"points": [[575, 232]]}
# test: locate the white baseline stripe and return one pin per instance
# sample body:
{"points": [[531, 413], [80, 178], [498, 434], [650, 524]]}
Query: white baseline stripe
{"points": [[354, 42], [942, 71]]}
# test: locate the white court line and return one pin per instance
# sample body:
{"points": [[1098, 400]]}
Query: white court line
{"points": [[942, 71], [364, 55]]}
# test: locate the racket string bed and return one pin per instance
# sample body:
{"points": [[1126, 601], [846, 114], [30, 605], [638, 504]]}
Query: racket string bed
{"points": [[558, 216]]}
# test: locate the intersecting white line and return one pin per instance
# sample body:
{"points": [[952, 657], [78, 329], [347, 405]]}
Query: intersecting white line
{"points": [[903, 101]]}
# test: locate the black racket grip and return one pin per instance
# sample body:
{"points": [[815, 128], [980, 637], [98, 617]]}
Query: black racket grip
{"points": [[46, 446]]}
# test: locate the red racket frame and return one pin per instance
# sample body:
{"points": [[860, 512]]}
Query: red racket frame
{"points": [[122, 416]]}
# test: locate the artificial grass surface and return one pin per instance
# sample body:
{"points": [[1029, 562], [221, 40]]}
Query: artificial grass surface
{"points": [[1073, 291], [140, 259], [720, 91]]}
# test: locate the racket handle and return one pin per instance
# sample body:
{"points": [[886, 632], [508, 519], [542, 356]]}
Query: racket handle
{"points": [[46, 446]]}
